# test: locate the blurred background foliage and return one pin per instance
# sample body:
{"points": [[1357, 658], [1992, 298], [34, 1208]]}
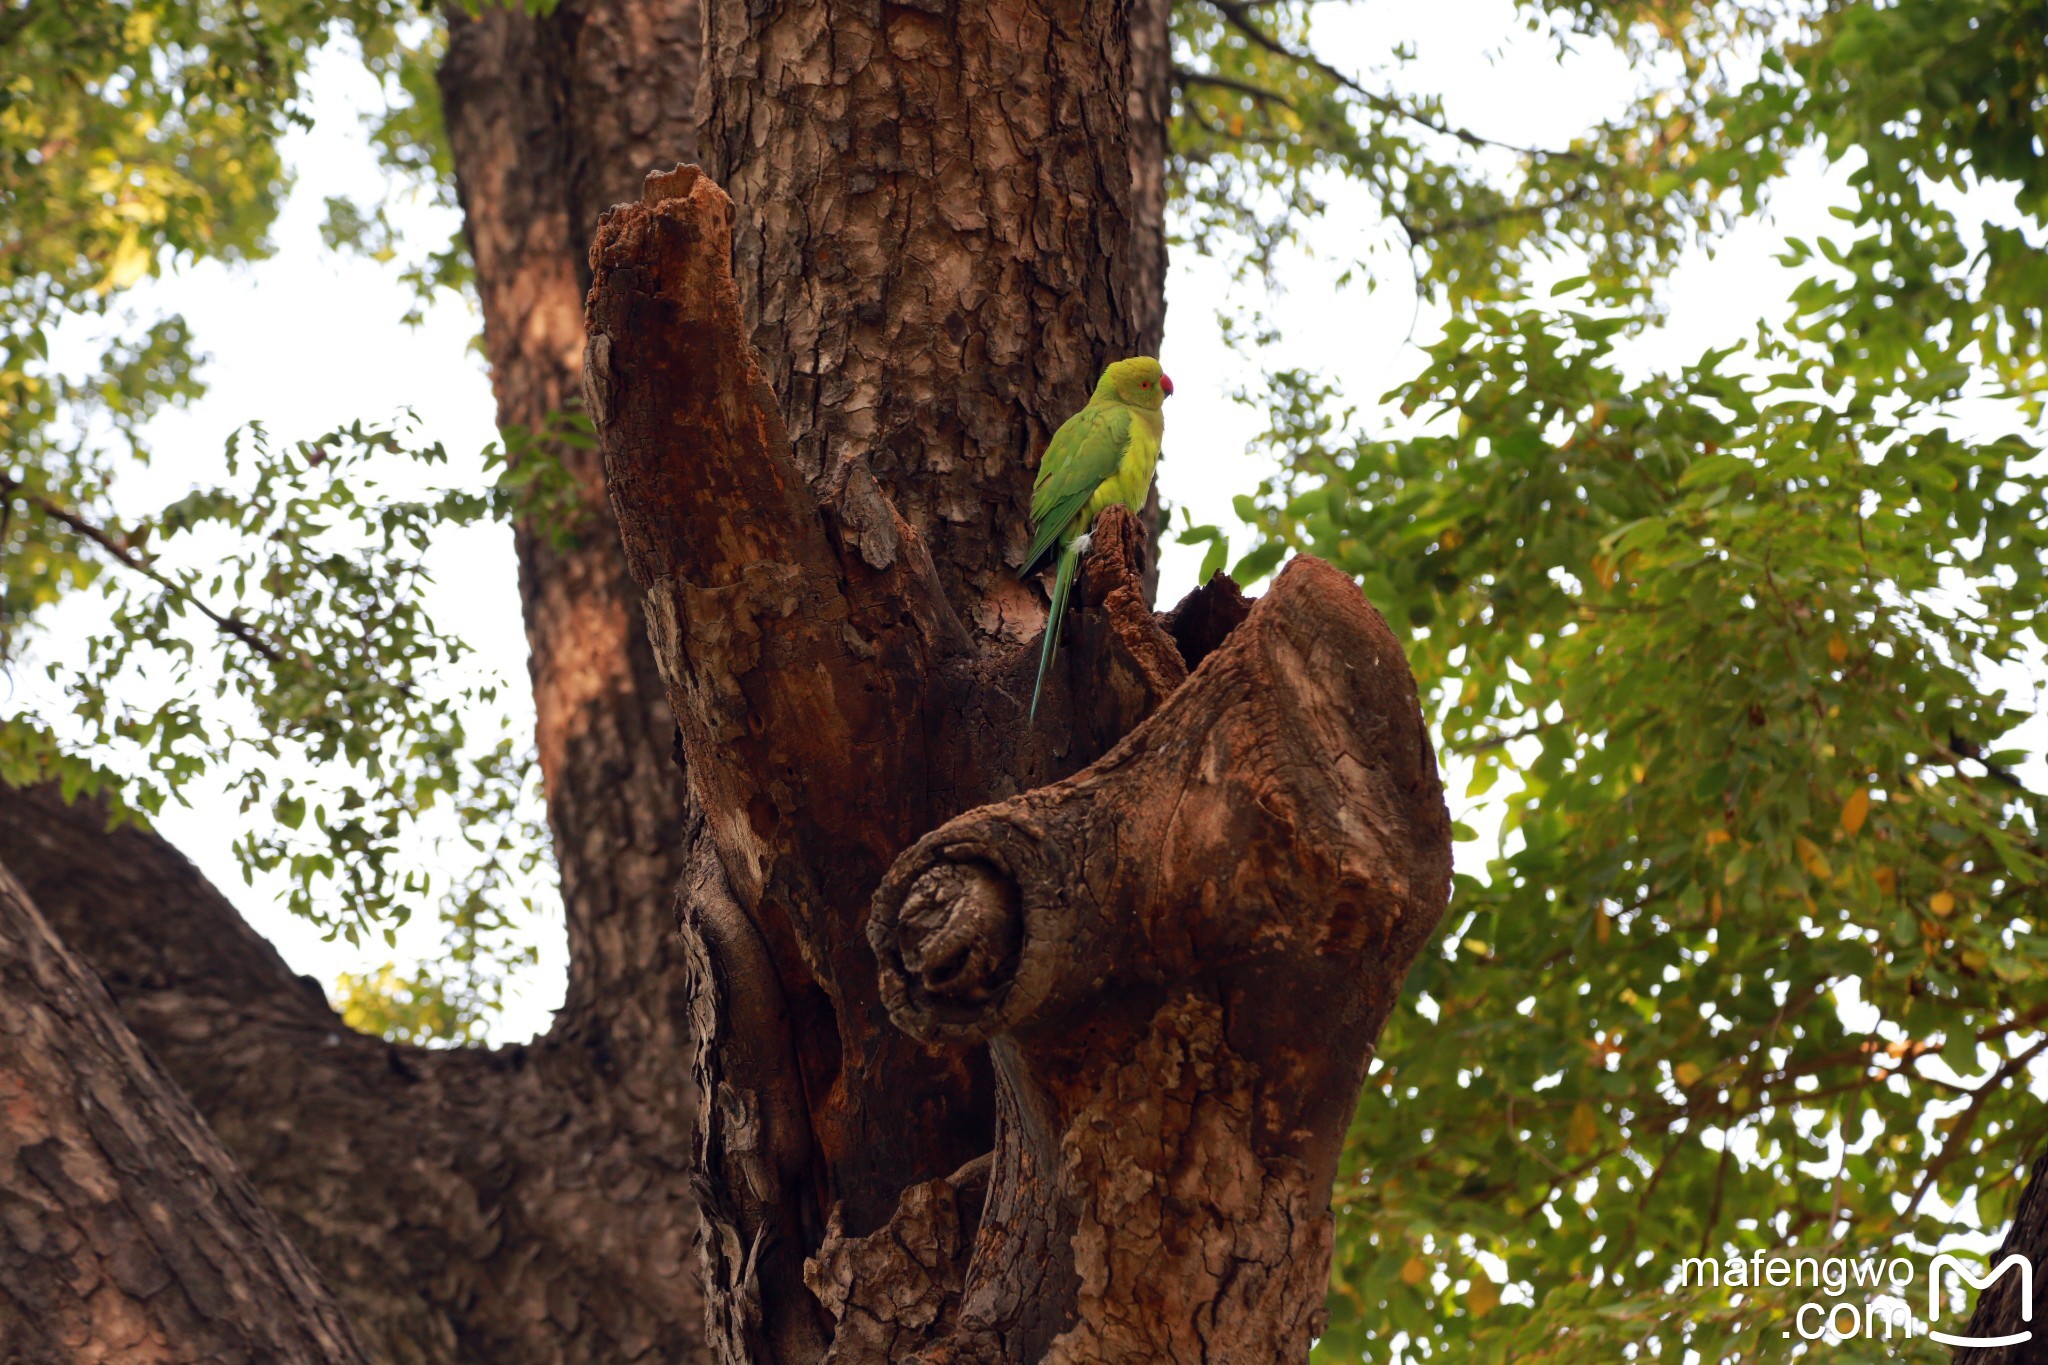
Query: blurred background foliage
{"points": [[1758, 960]]}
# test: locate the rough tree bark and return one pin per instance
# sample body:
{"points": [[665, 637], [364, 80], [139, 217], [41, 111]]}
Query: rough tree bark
{"points": [[1180, 907], [528, 1203], [533, 1203], [2001, 1309], [940, 242], [129, 1234], [949, 219]]}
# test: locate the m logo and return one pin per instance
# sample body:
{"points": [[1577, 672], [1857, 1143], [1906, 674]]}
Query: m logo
{"points": [[2026, 1270]]}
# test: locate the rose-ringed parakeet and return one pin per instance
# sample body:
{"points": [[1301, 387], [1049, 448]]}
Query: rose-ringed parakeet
{"points": [[1103, 454]]}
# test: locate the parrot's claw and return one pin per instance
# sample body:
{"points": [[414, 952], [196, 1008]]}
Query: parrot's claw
{"points": [[1084, 543]]}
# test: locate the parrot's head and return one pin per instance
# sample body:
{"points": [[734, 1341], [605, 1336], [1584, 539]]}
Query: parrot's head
{"points": [[1138, 381]]}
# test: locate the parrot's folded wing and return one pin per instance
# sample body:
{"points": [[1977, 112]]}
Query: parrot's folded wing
{"points": [[1084, 451]]}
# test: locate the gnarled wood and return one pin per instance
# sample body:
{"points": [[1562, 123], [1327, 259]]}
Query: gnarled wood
{"points": [[1182, 953], [126, 1233]]}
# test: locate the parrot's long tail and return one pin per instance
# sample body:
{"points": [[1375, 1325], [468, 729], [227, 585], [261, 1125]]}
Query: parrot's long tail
{"points": [[1062, 583]]}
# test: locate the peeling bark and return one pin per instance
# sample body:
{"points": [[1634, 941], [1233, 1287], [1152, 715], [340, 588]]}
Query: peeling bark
{"points": [[1150, 967], [126, 1233]]}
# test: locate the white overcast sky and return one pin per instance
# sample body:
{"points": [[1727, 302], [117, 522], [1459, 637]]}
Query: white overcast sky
{"points": [[306, 339]]}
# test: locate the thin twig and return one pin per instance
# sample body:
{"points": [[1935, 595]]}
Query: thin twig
{"points": [[228, 624], [1501, 741], [1484, 220], [1966, 1122], [1238, 15], [1187, 76]]}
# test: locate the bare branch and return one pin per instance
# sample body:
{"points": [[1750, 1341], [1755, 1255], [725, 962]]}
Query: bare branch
{"points": [[1239, 16], [1417, 233], [1187, 76], [229, 624]]}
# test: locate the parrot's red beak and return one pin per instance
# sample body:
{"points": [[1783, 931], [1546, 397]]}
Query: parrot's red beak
{"points": [[1166, 385]]}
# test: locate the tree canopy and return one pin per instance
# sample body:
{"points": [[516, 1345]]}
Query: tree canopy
{"points": [[1759, 960]]}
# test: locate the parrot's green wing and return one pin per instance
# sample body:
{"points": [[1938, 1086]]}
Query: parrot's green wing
{"points": [[1084, 451]]}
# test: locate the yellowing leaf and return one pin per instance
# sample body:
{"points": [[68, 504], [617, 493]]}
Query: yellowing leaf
{"points": [[129, 263], [1602, 925], [1584, 1131], [1942, 903], [1414, 1272], [1887, 880], [1838, 648], [1812, 858], [1483, 1297], [1717, 837], [1688, 1074], [1855, 810]]}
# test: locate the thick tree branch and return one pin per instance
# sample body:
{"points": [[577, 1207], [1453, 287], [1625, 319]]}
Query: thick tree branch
{"points": [[808, 655], [123, 1225], [528, 1205], [1183, 955]]}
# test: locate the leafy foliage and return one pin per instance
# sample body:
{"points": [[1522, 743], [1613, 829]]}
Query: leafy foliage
{"points": [[273, 625], [1759, 963]]}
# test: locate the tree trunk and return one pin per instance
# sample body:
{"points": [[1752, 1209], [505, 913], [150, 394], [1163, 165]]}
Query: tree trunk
{"points": [[129, 1232], [1185, 903], [940, 243], [535, 1203], [518, 1204], [551, 121], [2013, 1306]]}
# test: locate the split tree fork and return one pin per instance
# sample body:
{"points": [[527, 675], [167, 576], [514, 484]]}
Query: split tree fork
{"points": [[1154, 937]]}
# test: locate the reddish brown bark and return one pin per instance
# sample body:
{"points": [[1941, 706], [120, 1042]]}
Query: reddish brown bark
{"points": [[521, 1204], [126, 1233], [1183, 952], [551, 120], [940, 241], [532, 1203]]}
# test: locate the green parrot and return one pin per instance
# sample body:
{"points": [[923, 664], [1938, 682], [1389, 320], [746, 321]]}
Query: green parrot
{"points": [[1103, 454]]}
